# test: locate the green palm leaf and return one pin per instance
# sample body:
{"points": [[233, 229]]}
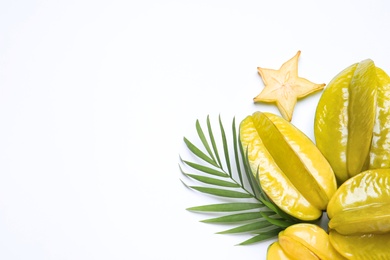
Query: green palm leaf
{"points": [[236, 151], [239, 217], [245, 206], [203, 139], [206, 169], [262, 236], [225, 147], [213, 143], [199, 153], [277, 221], [227, 207], [213, 181], [251, 227], [222, 192]]}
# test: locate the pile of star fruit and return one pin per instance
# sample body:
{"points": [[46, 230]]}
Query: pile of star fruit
{"points": [[346, 172]]}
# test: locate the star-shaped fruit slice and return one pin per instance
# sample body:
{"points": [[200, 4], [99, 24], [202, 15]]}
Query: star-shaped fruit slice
{"points": [[284, 87]]}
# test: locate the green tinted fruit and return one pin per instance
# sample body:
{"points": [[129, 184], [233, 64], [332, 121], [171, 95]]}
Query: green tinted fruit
{"points": [[380, 145], [291, 170], [352, 120], [361, 205], [361, 247]]}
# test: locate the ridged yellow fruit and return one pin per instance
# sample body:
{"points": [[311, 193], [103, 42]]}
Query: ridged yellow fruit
{"points": [[303, 241], [361, 247], [275, 252], [352, 120], [291, 170], [380, 145], [361, 205]]}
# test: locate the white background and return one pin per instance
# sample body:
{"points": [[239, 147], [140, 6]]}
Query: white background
{"points": [[96, 96]]}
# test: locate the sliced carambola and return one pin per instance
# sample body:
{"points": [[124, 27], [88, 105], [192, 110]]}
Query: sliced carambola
{"points": [[292, 171], [362, 204]]}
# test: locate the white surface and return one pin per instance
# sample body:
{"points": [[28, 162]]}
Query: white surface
{"points": [[95, 97]]}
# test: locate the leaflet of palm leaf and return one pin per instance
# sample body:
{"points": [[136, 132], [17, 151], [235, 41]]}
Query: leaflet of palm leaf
{"points": [[248, 209]]}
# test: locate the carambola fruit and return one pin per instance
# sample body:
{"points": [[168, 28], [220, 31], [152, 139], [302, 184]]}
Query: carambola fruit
{"points": [[359, 214], [361, 205], [303, 241], [352, 120], [291, 170], [361, 247]]}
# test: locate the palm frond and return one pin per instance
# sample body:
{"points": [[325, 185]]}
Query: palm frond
{"points": [[244, 205], [213, 181], [227, 207], [262, 236], [234, 218], [206, 169], [213, 143], [199, 153], [236, 151], [250, 227], [225, 147]]}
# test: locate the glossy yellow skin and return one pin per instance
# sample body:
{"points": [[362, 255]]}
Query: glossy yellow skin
{"points": [[345, 119], [331, 122], [287, 162], [295, 249], [380, 145], [303, 241], [275, 252], [311, 237], [361, 205], [361, 115], [361, 247]]}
